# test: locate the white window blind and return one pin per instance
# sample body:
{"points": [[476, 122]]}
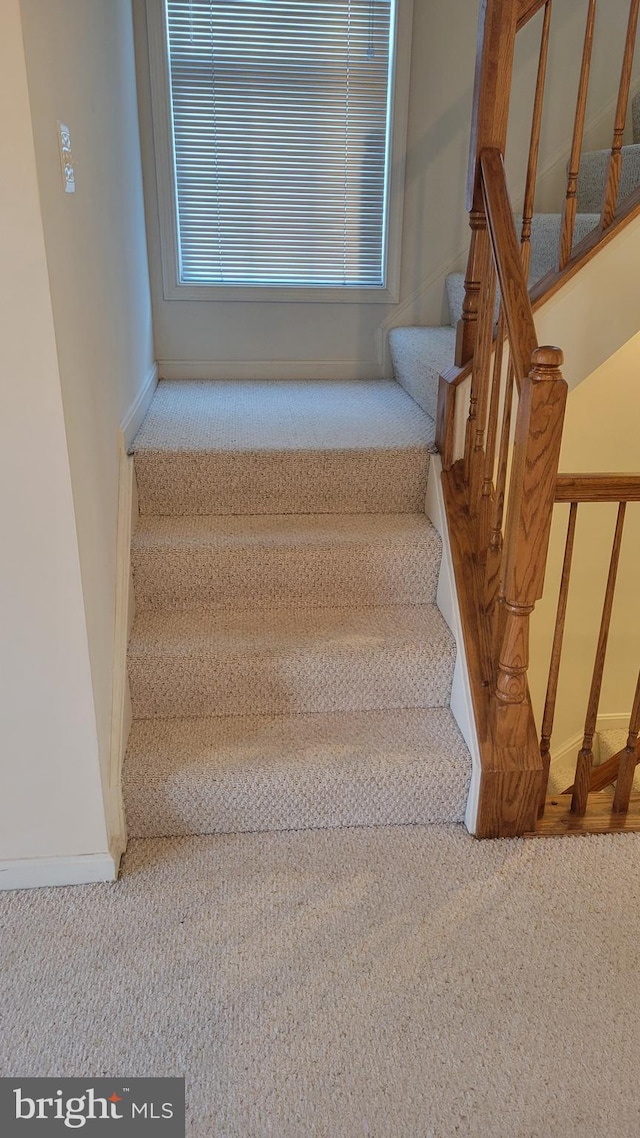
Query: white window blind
{"points": [[281, 119]]}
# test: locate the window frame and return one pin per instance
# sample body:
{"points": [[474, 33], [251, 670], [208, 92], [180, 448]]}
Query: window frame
{"points": [[173, 287]]}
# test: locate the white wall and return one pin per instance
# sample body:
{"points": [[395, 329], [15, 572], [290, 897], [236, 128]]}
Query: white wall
{"points": [[51, 802], [435, 226], [601, 434], [81, 71]]}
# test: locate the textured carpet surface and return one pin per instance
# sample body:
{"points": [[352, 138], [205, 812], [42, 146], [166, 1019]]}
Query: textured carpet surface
{"points": [[199, 662], [190, 776], [290, 415], [610, 743], [282, 448], [387, 983], [419, 356], [313, 560], [288, 666]]}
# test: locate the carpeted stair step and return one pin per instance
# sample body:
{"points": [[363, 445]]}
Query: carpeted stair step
{"points": [[312, 561], [235, 774], [199, 662], [419, 355], [210, 447], [594, 169]]}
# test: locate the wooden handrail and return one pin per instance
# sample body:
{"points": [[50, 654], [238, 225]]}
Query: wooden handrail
{"points": [[597, 488], [528, 9], [500, 491], [513, 286]]}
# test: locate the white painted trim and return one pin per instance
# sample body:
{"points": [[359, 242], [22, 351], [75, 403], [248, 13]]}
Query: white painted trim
{"points": [[121, 715], [138, 409], [165, 177], [609, 721], [447, 599], [267, 369], [612, 721], [38, 872]]}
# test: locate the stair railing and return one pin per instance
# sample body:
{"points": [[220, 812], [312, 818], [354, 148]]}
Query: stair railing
{"points": [[500, 464], [499, 497], [500, 21], [580, 807]]}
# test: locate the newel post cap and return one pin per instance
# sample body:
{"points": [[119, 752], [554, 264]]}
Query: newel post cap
{"points": [[547, 357]]}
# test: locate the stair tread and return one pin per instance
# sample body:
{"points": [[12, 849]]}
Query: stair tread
{"points": [[209, 632], [205, 416], [162, 532], [284, 772]]}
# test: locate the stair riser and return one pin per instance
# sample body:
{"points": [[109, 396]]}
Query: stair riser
{"points": [[296, 482], [310, 800], [263, 578], [300, 683]]}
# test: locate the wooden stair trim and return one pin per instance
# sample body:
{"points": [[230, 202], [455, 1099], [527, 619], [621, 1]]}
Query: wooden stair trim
{"points": [[553, 281], [512, 776], [558, 820]]}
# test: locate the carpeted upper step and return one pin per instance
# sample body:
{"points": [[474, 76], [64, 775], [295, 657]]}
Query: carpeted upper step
{"points": [[210, 447], [199, 662], [314, 561], [419, 355], [594, 169], [234, 774]]}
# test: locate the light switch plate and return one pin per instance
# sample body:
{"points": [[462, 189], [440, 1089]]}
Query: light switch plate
{"points": [[66, 158]]}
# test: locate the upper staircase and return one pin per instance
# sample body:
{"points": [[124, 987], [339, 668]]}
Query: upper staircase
{"points": [[420, 355]]}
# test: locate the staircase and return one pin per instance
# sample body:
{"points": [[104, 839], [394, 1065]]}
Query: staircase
{"points": [[288, 665], [421, 354]]}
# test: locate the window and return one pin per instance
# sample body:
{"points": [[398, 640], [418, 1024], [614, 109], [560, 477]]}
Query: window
{"points": [[273, 138]]}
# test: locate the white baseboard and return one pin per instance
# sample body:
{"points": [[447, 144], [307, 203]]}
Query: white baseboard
{"points": [[447, 599], [608, 721], [124, 613], [138, 409], [268, 369], [38, 872]]}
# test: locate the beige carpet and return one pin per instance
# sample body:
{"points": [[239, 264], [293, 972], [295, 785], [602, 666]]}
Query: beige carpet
{"points": [[390, 983], [288, 665], [282, 448], [233, 773], [310, 560]]}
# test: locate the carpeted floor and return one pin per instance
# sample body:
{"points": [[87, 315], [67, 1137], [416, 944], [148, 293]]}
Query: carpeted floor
{"points": [[388, 983]]}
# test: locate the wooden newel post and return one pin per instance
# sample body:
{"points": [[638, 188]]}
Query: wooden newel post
{"points": [[536, 454], [491, 95]]}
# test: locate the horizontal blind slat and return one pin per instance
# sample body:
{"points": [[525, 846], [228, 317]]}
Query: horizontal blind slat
{"points": [[280, 115]]}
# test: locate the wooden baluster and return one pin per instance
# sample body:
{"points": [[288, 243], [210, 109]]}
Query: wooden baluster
{"points": [[628, 759], [534, 145], [490, 113], [556, 651], [612, 187], [585, 756], [571, 200], [535, 467], [492, 435], [482, 369], [467, 330], [478, 376], [494, 554]]}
